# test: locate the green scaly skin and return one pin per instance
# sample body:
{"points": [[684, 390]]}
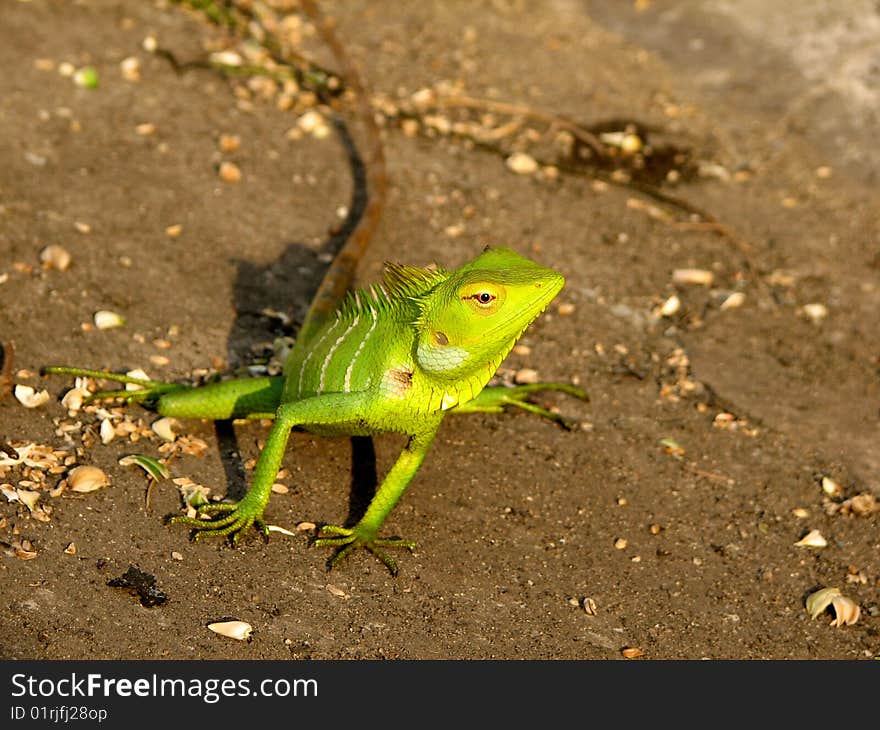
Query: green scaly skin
{"points": [[395, 358]]}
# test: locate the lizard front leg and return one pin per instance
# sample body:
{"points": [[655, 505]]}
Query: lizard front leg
{"points": [[235, 519], [495, 398], [365, 533]]}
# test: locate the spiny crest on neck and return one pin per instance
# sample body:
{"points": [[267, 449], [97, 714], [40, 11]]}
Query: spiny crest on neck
{"points": [[400, 283]]}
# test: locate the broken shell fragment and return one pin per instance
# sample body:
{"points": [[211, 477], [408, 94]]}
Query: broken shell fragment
{"points": [[282, 530], [239, 630], [73, 398], [54, 256], [846, 611], [85, 479], [812, 539], [164, 428], [28, 497], [70, 549], [29, 397], [105, 319]]}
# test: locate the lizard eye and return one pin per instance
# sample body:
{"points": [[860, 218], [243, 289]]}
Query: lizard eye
{"points": [[485, 298]]}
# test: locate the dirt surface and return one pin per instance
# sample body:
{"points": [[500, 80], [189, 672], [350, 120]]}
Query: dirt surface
{"points": [[686, 547]]}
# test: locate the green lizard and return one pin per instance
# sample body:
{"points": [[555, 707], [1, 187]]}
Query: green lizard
{"points": [[395, 358]]}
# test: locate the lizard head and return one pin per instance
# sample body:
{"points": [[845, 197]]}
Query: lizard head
{"points": [[470, 321]]}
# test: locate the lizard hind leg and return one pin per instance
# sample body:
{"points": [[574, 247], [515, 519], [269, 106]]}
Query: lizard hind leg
{"points": [[148, 393]]}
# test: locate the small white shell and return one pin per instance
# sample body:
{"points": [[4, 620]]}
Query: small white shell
{"points": [[108, 433], [239, 630], [29, 397], [812, 539], [105, 319], [87, 479]]}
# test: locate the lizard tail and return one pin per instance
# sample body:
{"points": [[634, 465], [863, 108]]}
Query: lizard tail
{"points": [[340, 276]]}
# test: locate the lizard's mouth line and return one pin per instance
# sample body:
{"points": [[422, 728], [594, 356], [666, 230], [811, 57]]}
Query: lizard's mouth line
{"points": [[545, 300]]}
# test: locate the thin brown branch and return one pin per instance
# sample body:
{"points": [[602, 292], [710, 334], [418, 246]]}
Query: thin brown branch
{"points": [[553, 120]]}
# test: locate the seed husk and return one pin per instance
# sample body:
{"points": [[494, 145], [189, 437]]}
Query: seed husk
{"points": [[107, 432], [846, 611], [54, 256], [85, 479]]}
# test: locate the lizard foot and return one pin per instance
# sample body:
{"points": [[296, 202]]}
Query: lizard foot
{"points": [[228, 520], [494, 399], [349, 538]]}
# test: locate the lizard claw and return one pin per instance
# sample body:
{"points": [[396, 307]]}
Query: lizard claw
{"points": [[232, 521], [347, 539]]}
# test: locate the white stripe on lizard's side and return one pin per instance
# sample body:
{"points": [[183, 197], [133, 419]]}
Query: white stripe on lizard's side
{"points": [[333, 349], [312, 351], [346, 386]]}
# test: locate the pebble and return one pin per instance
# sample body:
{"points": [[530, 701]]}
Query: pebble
{"points": [[229, 172], [522, 164]]}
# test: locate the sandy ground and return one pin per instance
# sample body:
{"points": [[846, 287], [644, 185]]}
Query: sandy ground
{"points": [[683, 548]]}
